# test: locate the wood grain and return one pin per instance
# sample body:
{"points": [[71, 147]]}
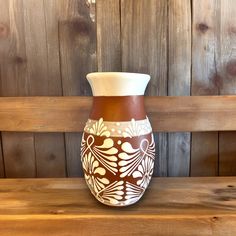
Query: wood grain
{"points": [[44, 73], [144, 49], [205, 81], [18, 149], [69, 114], [179, 78], [226, 64], [108, 35], [77, 35], [66, 207]]}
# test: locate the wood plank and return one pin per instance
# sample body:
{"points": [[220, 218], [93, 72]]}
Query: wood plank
{"points": [[167, 114], [108, 35], [42, 50], [144, 36], [205, 81], [65, 206], [19, 154], [206, 164], [14, 82], [77, 35], [226, 64], [179, 77]]}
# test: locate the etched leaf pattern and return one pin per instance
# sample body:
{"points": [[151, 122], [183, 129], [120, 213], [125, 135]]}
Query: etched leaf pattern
{"points": [[144, 172], [132, 157], [93, 173], [104, 153], [100, 129], [113, 193], [134, 162], [133, 193]]}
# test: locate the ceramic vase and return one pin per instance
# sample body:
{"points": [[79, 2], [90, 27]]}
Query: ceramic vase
{"points": [[118, 148]]}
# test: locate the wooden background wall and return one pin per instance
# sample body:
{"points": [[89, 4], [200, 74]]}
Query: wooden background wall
{"points": [[48, 46]]}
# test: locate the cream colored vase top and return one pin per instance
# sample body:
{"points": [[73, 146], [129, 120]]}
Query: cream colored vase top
{"points": [[117, 148]]}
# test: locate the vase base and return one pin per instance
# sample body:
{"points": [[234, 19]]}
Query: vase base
{"points": [[125, 203]]}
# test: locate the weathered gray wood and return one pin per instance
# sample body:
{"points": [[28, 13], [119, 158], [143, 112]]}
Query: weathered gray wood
{"points": [[42, 50], [77, 34], [18, 149], [226, 70], [205, 81], [179, 78], [19, 155], [205, 146], [108, 35], [144, 49]]}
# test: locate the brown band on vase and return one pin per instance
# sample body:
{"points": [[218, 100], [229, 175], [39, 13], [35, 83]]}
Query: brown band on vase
{"points": [[118, 108]]}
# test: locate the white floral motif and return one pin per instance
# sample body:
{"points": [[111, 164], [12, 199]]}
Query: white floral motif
{"points": [[124, 129], [133, 193], [113, 193], [134, 161], [99, 129], [93, 173], [104, 154], [131, 157], [144, 172], [134, 129]]}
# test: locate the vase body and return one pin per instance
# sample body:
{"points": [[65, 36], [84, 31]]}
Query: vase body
{"points": [[118, 149]]}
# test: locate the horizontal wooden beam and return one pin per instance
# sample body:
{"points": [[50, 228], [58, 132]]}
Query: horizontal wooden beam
{"points": [[69, 114], [170, 206]]}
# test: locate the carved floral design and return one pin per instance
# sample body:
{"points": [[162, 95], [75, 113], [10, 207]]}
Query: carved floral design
{"points": [[132, 157], [133, 193], [93, 173], [105, 153], [99, 129], [124, 129], [113, 193], [144, 172], [131, 163]]}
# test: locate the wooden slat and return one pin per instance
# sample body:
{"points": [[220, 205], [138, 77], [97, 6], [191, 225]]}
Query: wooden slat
{"points": [[144, 49], [226, 65], [179, 76], [43, 66], [171, 206], [205, 81], [108, 35], [18, 149], [77, 35], [69, 114]]}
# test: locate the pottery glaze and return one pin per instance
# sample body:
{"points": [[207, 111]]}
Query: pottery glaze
{"points": [[117, 148]]}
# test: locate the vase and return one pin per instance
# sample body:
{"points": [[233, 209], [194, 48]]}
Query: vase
{"points": [[117, 148]]}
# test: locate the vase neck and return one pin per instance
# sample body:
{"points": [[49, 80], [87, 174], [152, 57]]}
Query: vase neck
{"points": [[118, 83], [118, 108]]}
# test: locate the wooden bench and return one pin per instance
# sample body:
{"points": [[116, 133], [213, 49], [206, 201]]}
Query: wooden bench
{"points": [[171, 206]]}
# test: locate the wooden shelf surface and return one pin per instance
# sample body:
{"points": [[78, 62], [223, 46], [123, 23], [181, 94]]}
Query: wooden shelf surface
{"points": [[170, 206]]}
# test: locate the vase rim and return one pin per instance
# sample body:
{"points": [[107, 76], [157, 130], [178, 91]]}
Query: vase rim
{"points": [[117, 83], [117, 75]]}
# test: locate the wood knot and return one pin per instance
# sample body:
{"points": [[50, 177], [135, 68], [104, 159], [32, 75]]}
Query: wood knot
{"points": [[214, 219], [232, 30], [231, 68], [52, 157], [57, 212], [19, 60], [78, 25], [202, 27], [217, 81], [4, 31], [230, 186]]}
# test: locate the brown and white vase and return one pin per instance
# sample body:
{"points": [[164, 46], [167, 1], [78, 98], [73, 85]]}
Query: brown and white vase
{"points": [[117, 148]]}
